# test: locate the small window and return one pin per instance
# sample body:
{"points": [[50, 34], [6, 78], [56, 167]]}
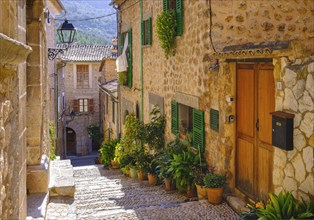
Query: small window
{"points": [[83, 105], [113, 112], [177, 6], [185, 119], [147, 32], [107, 103], [82, 74]]}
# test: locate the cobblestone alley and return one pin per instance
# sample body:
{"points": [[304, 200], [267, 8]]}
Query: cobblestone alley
{"points": [[108, 194]]}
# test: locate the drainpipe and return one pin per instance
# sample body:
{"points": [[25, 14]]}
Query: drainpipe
{"points": [[56, 109], [141, 62]]}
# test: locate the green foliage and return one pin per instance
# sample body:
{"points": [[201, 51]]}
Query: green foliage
{"points": [[95, 134], [182, 168], [164, 161], [212, 180], [143, 161], [166, 31], [52, 140], [284, 206], [154, 131], [107, 151], [122, 78]]}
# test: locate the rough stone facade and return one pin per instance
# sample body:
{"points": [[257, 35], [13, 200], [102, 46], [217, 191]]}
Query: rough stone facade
{"points": [[19, 81], [202, 72]]}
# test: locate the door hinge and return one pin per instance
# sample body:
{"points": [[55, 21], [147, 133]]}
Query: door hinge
{"points": [[257, 124]]}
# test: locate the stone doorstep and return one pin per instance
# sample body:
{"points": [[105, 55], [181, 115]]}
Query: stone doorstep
{"points": [[237, 204], [61, 182]]}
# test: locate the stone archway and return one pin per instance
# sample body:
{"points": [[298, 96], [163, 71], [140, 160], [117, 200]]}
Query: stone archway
{"points": [[70, 141]]}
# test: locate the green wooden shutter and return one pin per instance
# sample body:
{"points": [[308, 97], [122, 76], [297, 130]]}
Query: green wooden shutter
{"points": [[214, 119], [165, 5], [130, 58], [179, 17], [149, 31], [198, 129], [143, 32], [174, 118], [121, 42]]}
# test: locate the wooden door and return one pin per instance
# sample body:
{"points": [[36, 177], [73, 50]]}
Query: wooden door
{"points": [[254, 152], [71, 142]]}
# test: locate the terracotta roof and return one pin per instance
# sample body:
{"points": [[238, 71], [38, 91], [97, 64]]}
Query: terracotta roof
{"points": [[89, 53]]}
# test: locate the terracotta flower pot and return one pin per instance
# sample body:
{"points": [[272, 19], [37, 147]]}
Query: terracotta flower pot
{"points": [[201, 191], [152, 179], [114, 164], [141, 175], [168, 184], [214, 195], [133, 173]]}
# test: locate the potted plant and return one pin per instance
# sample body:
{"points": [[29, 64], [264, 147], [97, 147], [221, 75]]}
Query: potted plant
{"points": [[163, 169], [182, 168], [200, 186], [142, 164], [152, 173], [107, 152], [214, 184]]}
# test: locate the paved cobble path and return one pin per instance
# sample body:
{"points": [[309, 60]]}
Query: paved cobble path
{"points": [[108, 194]]}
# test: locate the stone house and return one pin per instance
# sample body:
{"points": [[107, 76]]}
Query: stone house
{"points": [[79, 95], [235, 62], [23, 101], [109, 99]]}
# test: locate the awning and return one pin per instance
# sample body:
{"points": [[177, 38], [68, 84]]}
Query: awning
{"points": [[110, 88]]}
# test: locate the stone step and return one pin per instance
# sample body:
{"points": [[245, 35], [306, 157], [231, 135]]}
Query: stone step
{"points": [[61, 182], [237, 204]]}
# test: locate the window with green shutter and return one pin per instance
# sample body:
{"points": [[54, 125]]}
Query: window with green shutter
{"points": [[130, 59], [198, 130], [174, 118], [177, 6], [214, 119], [147, 32]]}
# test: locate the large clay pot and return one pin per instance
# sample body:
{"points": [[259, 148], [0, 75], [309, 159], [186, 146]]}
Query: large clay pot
{"points": [[152, 179], [168, 184], [214, 195], [141, 175], [201, 191], [133, 173]]}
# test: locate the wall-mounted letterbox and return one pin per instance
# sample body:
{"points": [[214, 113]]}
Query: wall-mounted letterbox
{"points": [[282, 130]]}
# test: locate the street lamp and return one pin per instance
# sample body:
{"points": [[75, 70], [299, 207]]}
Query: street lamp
{"points": [[66, 33]]}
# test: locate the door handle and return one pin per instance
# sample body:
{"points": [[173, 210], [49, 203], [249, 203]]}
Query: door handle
{"points": [[257, 124]]}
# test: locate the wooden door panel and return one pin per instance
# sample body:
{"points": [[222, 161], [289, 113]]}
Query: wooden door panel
{"points": [[264, 172], [245, 102], [245, 151], [266, 104]]}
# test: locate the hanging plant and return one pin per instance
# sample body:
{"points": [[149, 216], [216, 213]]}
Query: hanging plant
{"points": [[122, 78], [166, 31]]}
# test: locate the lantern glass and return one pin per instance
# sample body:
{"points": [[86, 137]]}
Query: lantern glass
{"points": [[66, 32]]}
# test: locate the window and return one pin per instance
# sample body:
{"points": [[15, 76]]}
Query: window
{"points": [[63, 101], [147, 32], [107, 103], [83, 105], [177, 6], [129, 55], [82, 74], [113, 112], [186, 119]]}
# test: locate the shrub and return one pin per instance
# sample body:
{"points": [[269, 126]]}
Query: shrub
{"points": [[212, 180], [107, 152]]}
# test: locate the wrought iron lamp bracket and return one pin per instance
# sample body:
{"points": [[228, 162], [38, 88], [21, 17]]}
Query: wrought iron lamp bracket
{"points": [[53, 52]]}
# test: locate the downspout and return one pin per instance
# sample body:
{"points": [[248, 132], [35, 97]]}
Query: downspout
{"points": [[141, 62], [118, 86], [56, 110]]}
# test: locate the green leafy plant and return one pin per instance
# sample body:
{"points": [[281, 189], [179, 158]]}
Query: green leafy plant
{"points": [[166, 31], [284, 206], [182, 168], [122, 78], [96, 135], [52, 141], [143, 161], [212, 180], [154, 131], [107, 151], [163, 166]]}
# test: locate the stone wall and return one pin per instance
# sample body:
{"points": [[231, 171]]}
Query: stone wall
{"points": [[193, 72], [12, 112], [81, 120], [293, 170]]}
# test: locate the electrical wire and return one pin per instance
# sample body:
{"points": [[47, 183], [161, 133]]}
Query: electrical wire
{"points": [[98, 17]]}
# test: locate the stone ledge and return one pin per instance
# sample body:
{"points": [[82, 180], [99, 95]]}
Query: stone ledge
{"points": [[61, 178], [237, 204], [12, 51]]}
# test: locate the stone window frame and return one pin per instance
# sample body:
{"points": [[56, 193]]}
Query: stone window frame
{"points": [[75, 78]]}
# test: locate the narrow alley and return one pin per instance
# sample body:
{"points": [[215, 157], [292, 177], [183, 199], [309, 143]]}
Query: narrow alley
{"points": [[107, 194]]}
